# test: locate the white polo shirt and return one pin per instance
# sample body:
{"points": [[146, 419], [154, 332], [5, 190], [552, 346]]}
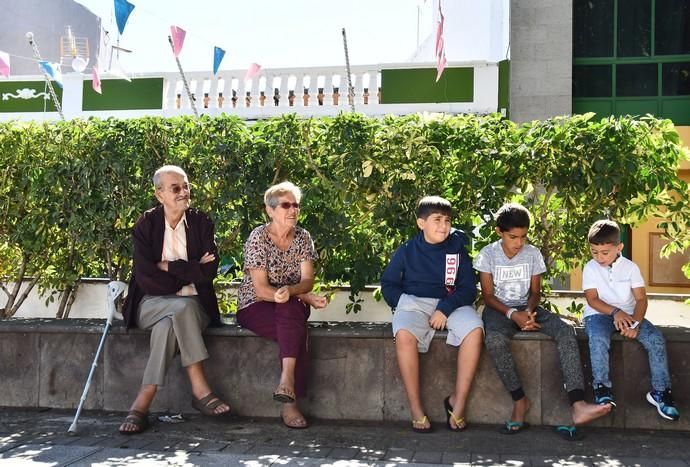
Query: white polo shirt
{"points": [[614, 283]]}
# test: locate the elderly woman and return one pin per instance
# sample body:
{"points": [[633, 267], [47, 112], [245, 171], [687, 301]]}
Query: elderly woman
{"points": [[275, 294]]}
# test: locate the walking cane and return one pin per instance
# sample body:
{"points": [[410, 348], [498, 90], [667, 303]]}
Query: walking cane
{"points": [[115, 288]]}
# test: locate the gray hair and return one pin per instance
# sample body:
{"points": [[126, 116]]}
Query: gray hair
{"points": [[166, 169], [276, 191]]}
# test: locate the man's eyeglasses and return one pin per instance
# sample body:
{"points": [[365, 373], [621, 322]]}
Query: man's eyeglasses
{"points": [[177, 189], [288, 205]]}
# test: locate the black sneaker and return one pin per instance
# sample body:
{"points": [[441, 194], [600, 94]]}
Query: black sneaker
{"points": [[603, 395]]}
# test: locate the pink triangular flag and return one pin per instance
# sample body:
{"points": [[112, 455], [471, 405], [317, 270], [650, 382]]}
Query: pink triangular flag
{"points": [[178, 39], [96, 80], [440, 49], [4, 64], [253, 70]]}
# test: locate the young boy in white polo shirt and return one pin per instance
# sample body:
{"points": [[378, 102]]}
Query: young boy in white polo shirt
{"points": [[617, 301]]}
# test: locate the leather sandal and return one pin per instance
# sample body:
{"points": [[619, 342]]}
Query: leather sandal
{"points": [[139, 419], [207, 405], [283, 394], [298, 422]]}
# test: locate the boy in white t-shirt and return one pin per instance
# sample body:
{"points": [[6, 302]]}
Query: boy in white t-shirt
{"points": [[617, 301]]}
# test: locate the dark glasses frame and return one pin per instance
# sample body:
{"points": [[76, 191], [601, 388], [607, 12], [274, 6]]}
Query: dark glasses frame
{"points": [[287, 205], [177, 189]]}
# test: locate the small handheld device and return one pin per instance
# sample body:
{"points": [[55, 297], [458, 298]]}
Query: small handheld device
{"points": [[634, 325]]}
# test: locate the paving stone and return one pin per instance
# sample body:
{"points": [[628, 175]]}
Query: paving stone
{"points": [[46, 454], [399, 455], [343, 453], [567, 461], [370, 454], [130, 457], [317, 452], [486, 459], [516, 460], [266, 449], [238, 447], [670, 463], [452, 457], [430, 457]]}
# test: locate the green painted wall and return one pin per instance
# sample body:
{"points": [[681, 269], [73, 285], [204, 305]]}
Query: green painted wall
{"points": [[504, 86], [118, 94], [418, 85], [36, 104]]}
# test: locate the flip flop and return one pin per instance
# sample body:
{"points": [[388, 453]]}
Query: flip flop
{"points": [[283, 394], [569, 433], [207, 405], [513, 428], [139, 419], [422, 421], [460, 423]]}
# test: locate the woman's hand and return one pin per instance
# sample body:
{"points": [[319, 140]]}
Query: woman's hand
{"points": [[207, 258], [281, 295], [315, 301]]}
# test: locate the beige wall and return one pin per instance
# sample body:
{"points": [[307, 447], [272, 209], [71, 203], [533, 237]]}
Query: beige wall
{"points": [[640, 236]]}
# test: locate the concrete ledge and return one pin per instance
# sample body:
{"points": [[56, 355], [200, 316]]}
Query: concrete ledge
{"points": [[354, 373]]}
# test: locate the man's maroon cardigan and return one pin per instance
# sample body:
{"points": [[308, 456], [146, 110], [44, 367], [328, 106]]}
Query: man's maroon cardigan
{"points": [[147, 279]]}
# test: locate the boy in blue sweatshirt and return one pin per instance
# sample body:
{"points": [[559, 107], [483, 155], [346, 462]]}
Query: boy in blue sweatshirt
{"points": [[430, 284]]}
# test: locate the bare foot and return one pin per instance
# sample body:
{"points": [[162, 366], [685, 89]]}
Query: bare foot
{"points": [[292, 417], [520, 409], [583, 412]]}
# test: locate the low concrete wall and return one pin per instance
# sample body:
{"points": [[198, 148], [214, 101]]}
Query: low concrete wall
{"points": [[664, 309], [354, 374]]}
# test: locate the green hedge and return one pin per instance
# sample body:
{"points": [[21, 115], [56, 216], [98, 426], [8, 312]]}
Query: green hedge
{"points": [[71, 191]]}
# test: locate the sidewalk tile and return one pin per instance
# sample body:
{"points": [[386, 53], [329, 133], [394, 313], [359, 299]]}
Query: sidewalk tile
{"points": [[317, 452], [516, 460], [455, 457], [46, 454], [566, 461], [343, 453], [670, 463], [429, 457], [370, 454], [399, 455]]}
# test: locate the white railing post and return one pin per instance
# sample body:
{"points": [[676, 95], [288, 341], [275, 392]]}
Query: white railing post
{"points": [[213, 93]]}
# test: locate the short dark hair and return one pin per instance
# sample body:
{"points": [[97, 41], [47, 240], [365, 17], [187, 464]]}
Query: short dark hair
{"points": [[604, 232], [433, 205], [512, 215]]}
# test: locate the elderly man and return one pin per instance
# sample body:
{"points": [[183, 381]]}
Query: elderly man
{"points": [[171, 293]]}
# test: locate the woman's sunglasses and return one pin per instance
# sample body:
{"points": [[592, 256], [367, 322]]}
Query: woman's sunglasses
{"points": [[287, 205]]}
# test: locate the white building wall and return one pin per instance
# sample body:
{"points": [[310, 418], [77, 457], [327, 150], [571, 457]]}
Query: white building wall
{"points": [[472, 30]]}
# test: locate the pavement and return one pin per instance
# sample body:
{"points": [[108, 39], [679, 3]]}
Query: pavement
{"points": [[39, 437]]}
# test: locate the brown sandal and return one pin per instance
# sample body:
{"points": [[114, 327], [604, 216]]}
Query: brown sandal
{"points": [[283, 394], [207, 405], [139, 419], [298, 422]]}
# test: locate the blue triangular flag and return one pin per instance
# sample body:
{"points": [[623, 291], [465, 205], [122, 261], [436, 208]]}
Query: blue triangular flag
{"points": [[218, 55], [53, 70], [122, 10]]}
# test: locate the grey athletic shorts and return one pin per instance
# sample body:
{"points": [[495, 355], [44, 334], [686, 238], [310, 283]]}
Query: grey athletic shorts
{"points": [[413, 313]]}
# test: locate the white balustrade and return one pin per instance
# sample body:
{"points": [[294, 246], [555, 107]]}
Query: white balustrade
{"points": [[228, 92]]}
